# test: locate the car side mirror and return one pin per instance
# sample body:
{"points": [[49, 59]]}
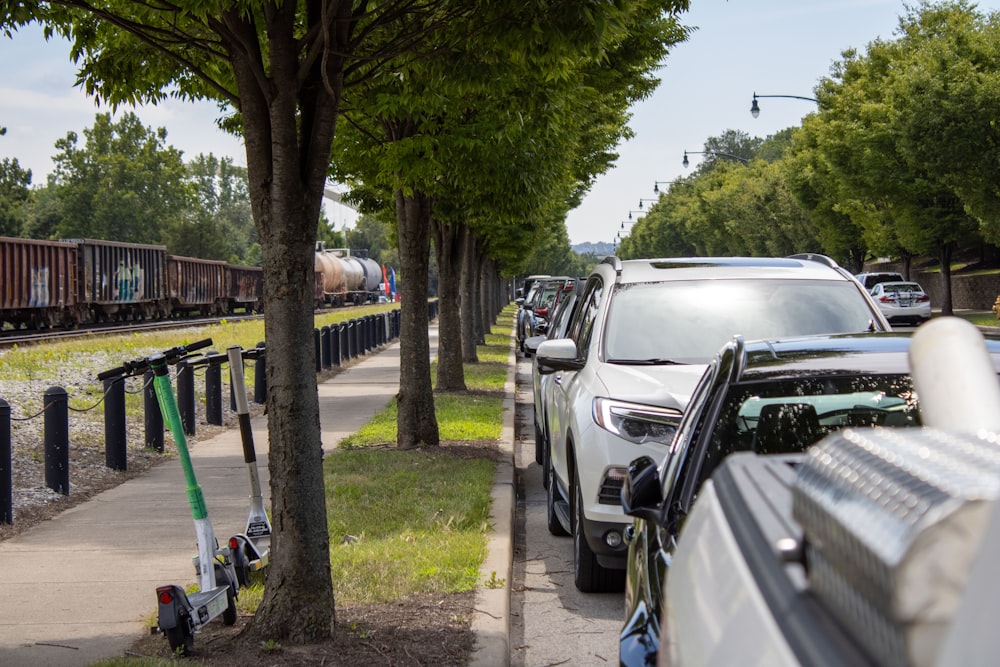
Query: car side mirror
{"points": [[558, 354], [642, 494]]}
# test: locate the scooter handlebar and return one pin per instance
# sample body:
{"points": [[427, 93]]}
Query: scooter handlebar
{"points": [[139, 366]]}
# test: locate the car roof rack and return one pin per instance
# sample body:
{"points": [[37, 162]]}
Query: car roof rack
{"points": [[615, 261], [816, 257]]}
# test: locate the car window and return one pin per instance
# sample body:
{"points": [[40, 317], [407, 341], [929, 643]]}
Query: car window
{"points": [[688, 321], [901, 287], [583, 322], [787, 416]]}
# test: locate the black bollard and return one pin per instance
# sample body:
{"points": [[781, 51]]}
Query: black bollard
{"points": [[260, 378], [345, 343], [56, 405], [316, 350], [153, 418], [352, 349], [335, 345], [324, 346], [213, 388], [185, 396], [115, 450], [6, 468]]}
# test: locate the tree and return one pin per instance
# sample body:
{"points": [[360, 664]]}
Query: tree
{"points": [[218, 223], [14, 194], [865, 137], [442, 135], [123, 184]]}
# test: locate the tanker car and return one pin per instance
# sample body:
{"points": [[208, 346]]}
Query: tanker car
{"points": [[348, 276]]}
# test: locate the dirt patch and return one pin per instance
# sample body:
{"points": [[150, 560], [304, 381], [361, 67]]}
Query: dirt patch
{"points": [[428, 629]]}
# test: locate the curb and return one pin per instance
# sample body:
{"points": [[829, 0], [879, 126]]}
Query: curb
{"points": [[491, 614]]}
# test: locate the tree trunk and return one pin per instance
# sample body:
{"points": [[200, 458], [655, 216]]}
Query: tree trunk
{"points": [[415, 419], [448, 241], [480, 253], [945, 256], [470, 308], [288, 127]]}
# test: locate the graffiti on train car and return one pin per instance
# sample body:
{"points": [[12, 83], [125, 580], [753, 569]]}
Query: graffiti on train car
{"points": [[39, 288], [128, 284]]}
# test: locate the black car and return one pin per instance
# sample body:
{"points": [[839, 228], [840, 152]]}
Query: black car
{"points": [[769, 397]]}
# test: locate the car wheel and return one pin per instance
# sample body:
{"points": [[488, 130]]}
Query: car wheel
{"points": [[539, 445], [589, 575], [552, 519]]}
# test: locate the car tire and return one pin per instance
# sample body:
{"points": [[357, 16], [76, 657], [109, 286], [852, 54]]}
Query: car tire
{"points": [[552, 519], [589, 575], [539, 445]]}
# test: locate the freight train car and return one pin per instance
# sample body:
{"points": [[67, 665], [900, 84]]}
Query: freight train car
{"points": [[37, 283], [245, 288], [348, 276], [196, 285], [121, 281]]}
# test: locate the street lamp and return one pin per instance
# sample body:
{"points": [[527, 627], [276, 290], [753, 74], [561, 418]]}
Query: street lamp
{"points": [[676, 181], [641, 200], [636, 212], [755, 108], [686, 162]]}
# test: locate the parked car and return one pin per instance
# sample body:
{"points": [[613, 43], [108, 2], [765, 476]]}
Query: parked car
{"points": [[548, 301], [767, 397], [637, 345], [870, 280], [536, 306], [557, 328], [532, 287], [902, 301]]}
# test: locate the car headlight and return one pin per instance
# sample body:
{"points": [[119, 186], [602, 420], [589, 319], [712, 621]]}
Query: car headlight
{"points": [[635, 422]]}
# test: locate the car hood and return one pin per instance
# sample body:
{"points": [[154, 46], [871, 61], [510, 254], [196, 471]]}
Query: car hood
{"points": [[667, 386]]}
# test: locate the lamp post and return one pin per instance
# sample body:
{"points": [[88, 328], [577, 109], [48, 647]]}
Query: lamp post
{"points": [[755, 108], [676, 181], [641, 200], [686, 162], [636, 212]]}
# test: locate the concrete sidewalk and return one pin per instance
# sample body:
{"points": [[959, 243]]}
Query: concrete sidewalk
{"points": [[80, 587]]}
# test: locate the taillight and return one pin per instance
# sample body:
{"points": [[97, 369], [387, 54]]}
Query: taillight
{"points": [[542, 312], [886, 299], [922, 298], [234, 543], [165, 595]]}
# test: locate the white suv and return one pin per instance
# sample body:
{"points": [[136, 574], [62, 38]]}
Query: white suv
{"points": [[640, 339]]}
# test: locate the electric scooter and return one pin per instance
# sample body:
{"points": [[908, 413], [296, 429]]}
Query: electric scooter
{"points": [[180, 615], [251, 549]]}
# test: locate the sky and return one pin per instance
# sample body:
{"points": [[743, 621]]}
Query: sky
{"points": [[771, 47]]}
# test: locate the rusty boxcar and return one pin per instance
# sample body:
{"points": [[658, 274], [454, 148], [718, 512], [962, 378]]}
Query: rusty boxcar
{"points": [[121, 281], [196, 285], [38, 283]]}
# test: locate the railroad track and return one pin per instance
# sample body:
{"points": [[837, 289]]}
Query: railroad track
{"points": [[12, 337]]}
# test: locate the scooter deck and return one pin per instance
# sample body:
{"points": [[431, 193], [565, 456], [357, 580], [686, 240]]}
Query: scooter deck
{"points": [[206, 605]]}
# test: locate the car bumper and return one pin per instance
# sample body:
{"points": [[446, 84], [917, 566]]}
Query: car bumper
{"points": [[912, 313]]}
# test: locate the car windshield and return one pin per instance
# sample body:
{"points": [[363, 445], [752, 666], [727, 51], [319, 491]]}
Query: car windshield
{"points": [[688, 321], [787, 416]]}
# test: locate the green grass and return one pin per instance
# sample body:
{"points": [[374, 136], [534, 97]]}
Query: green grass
{"points": [[419, 519]]}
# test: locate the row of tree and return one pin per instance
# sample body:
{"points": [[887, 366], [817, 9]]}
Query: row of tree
{"points": [[478, 124], [902, 159]]}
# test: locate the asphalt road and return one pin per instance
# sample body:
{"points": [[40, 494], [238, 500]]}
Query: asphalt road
{"points": [[552, 623]]}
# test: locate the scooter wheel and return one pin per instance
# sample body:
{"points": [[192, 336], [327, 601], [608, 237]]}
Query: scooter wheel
{"points": [[180, 640], [229, 615]]}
